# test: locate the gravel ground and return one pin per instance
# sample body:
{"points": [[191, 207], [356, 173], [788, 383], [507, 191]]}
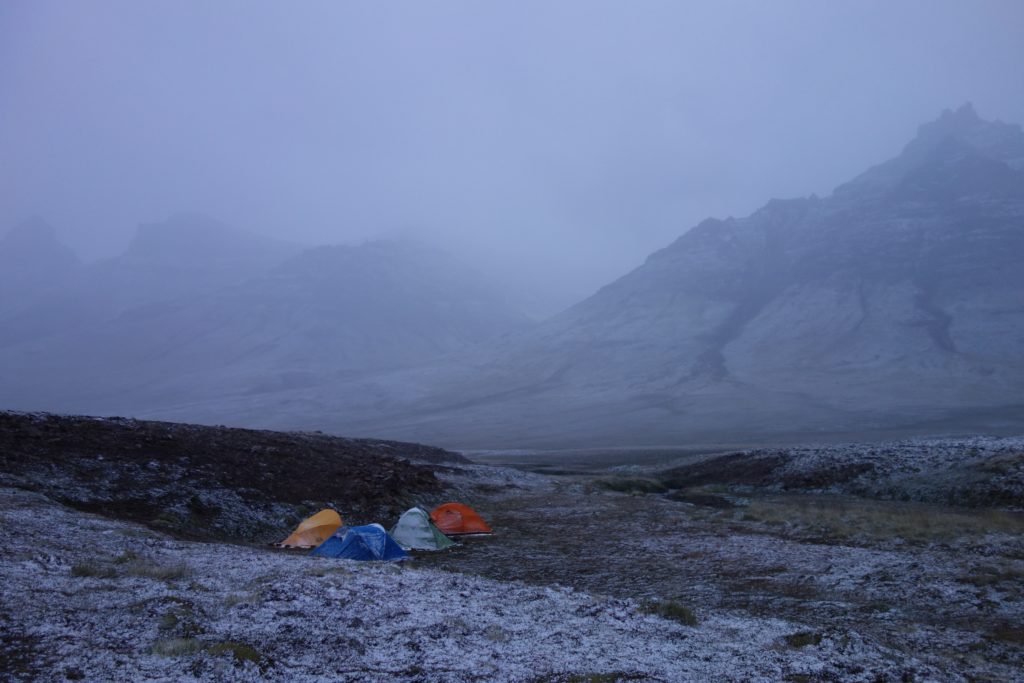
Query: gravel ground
{"points": [[88, 598], [759, 581], [932, 583]]}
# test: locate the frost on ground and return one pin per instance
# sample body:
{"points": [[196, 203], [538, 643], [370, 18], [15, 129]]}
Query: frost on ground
{"points": [[898, 561], [88, 598], [975, 472], [833, 537]]}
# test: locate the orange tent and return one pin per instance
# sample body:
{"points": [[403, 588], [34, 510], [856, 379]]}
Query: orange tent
{"points": [[314, 530], [455, 518]]}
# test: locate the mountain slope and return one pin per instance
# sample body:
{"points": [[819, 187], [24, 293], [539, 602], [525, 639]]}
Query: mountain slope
{"points": [[325, 314], [184, 256], [893, 303], [32, 262]]}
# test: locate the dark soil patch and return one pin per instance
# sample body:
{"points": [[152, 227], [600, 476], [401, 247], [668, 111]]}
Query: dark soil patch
{"points": [[703, 498], [19, 655], [210, 481], [631, 485], [759, 468], [745, 469], [826, 477]]}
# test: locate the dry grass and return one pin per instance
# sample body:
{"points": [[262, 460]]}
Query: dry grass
{"points": [[238, 599], [795, 590], [93, 571], [157, 572], [176, 647], [670, 609], [324, 569], [803, 639], [126, 557], [130, 564], [849, 518], [239, 651], [1004, 572]]}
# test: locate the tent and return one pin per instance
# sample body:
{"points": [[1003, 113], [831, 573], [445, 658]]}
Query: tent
{"points": [[455, 518], [314, 530], [368, 542], [415, 530]]}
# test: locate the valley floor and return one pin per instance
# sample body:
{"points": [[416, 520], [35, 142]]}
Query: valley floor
{"points": [[579, 583], [940, 591]]}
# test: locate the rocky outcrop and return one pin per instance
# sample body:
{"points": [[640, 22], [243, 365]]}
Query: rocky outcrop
{"points": [[212, 482]]}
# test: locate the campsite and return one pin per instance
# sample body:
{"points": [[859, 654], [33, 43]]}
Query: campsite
{"points": [[618, 570], [518, 341]]}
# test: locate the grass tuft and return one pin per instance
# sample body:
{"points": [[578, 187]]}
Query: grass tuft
{"points": [[95, 571], [126, 557], [158, 572], [240, 651], [670, 609], [176, 647], [803, 639], [845, 518]]}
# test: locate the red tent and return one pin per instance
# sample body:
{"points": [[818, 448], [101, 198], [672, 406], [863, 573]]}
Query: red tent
{"points": [[455, 518]]}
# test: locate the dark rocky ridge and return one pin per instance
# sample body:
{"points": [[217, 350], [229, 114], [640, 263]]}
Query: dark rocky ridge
{"points": [[212, 482]]}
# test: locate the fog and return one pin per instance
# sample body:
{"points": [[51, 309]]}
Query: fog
{"points": [[553, 144]]}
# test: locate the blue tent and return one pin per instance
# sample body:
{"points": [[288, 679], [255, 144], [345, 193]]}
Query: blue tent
{"points": [[368, 542]]}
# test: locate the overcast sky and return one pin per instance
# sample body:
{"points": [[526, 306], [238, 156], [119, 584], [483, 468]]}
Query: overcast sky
{"points": [[555, 143]]}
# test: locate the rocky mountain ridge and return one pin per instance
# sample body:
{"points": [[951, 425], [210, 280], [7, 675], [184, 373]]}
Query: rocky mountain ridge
{"points": [[892, 304]]}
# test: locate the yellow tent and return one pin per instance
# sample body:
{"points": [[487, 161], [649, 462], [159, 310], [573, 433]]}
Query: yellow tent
{"points": [[314, 531]]}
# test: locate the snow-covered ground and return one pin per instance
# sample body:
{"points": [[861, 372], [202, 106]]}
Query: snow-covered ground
{"points": [[979, 471], [88, 598]]}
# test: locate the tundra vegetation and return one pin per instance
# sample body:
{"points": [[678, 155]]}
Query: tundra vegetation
{"points": [[751, 564]]}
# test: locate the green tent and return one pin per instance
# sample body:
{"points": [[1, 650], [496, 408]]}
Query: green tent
{"points": [[415, 530]]}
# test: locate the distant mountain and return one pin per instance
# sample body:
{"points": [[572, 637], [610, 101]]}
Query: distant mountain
{"points": [[186, 255], [893, 305], [323, 315], [32, 261], [896, 303]]}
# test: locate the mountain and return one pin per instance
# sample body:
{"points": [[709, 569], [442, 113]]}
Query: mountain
{"points": [[894, 304], [32, 261], [324, 315], [184, 256]]}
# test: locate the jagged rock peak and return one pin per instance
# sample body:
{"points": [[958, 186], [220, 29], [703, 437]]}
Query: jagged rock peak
{"points": [[993, 139], [951, 135]]}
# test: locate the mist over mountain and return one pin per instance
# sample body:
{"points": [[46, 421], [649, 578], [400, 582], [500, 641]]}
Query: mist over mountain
{"points": [[894, 303], [205, 311], [188, 254], [32, 261]]}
